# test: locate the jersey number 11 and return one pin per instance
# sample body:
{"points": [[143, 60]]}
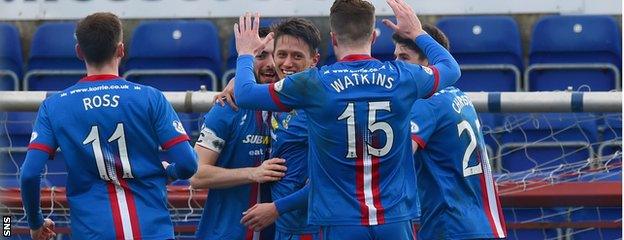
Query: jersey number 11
{"points": [[118, 135]]}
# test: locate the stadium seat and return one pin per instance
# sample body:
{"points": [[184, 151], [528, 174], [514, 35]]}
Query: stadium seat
{"points": [[595, 214], [230, 65], [10, 57], [52, 64], [582, 52], [546, 140], [175, 55], [383, 47], [488, 51], [527, 215]]}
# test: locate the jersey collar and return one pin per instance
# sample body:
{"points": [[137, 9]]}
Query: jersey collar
{"points": [[99, 77], [356, 57]]}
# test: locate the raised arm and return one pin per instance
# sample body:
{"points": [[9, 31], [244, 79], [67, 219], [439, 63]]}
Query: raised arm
{"points": [[444, 67]]}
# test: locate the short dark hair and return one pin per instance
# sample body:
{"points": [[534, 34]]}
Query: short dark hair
{"points": [[264, 31], [352, 20], [432, 30], [300, 28], [98, 35]]}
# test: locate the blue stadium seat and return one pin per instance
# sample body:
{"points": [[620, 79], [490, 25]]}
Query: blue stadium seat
{"points": [[560, 42], [596, 214], [546, 140], [52, 64], [230, 65], [10, 57], [383, 47], [175, 55], [488, 50], [19, 127], [534, 215]]}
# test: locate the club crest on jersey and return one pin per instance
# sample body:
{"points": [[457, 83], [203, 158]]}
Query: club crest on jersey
{"points": [[414, 127], [428, 70], [33, 136], [178, 126], [278, 85], [274, 123]]}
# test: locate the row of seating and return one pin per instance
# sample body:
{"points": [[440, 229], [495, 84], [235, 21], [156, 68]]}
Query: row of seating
{"points": [[178, 55]]}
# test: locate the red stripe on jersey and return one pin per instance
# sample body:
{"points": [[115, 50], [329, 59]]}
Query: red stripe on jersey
{"points": [[421, 143], [276, 99], [253, 199], [42, 147], [375, 183], [436, 81], [305, 237], [359, 178], [486, 205], [112, 194], [500, 211], [134, 218], [99, 77], [172, 142], [414, 231], [356, 57]]}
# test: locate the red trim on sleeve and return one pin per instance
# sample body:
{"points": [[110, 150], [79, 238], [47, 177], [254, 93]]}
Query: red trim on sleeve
{"points": [[436, 81], [421, 143], [99, 77], [356, 57], [276, 99], [175, 141], [41, 147]]}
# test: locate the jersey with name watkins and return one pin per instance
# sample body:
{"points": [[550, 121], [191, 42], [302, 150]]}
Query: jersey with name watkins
{"points": [[290, 142], [458, 197], [110, 130], [242, 140], [360, 159]]}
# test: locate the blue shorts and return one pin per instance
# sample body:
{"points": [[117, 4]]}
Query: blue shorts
{"points": [[399, 230], [289, 236]]}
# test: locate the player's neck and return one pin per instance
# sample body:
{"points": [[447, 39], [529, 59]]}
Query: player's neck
{"points": [[344, 51], [105, 69]]}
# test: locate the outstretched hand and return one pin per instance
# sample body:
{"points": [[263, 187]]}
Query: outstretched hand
{"points": [[45, 232], [408, 25], [246, 34]]}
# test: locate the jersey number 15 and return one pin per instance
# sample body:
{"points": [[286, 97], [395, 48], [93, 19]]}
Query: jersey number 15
{"points": [[373, 125]]}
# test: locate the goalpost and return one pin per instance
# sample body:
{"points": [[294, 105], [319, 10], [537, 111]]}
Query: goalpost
{"points": [[556, 158]]}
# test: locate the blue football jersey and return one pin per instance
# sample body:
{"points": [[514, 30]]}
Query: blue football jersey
{"points": [[457, 193], [360, 161], [110, 130], [290, 142], [242, 140]]}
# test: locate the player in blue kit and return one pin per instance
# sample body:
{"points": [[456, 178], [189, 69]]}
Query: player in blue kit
{"points": [[445, 129], [296, 49], [109, 130], [232, 148], [362, 183]]}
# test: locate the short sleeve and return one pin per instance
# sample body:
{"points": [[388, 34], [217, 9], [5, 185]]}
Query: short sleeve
{"points": [[423, 122], [168, 127], [215, 132], [42, 137], [427, 79], [292, 91]]}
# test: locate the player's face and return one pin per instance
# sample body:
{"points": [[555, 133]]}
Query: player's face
{"points": [[292, 55], [264, 65], [403, 53]]}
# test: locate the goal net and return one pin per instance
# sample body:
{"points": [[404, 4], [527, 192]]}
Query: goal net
{"points": [[558, 175]]}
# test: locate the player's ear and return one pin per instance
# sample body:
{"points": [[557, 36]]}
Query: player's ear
{"points": [[121, 50], [374, 36], [315, 59], [79, 53]]}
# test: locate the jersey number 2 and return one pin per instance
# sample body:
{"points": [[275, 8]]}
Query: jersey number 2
{"points": [[373, 107], [118, 135], [469, 171]]}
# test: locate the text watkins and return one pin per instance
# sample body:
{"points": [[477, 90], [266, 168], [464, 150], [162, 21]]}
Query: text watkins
{"points": [[356, 79]]}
